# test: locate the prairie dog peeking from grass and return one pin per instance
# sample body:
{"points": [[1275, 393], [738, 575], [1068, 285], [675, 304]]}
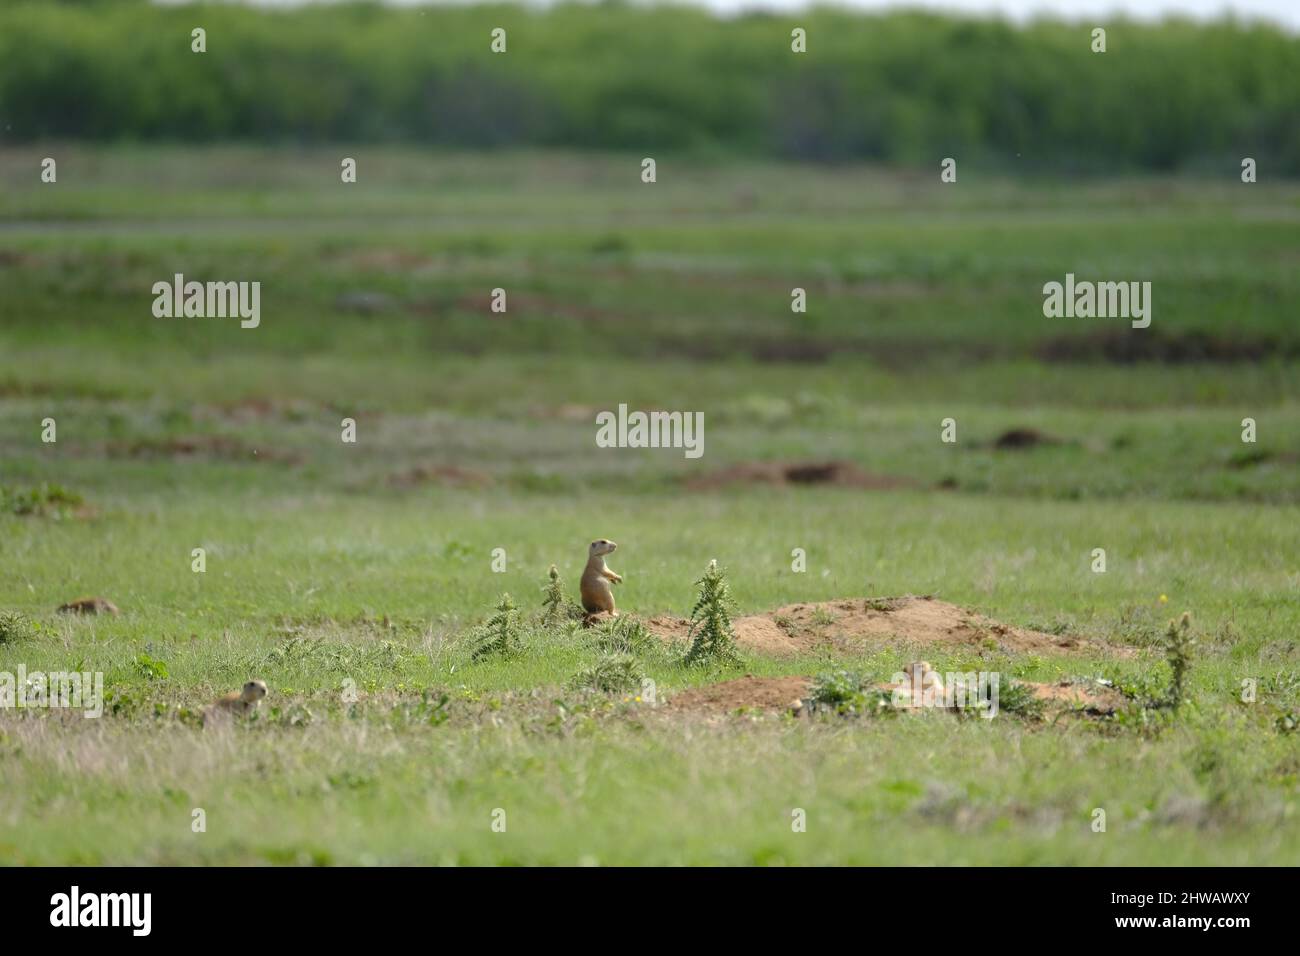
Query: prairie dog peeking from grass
{"points": [[922, 686], [927, 676], [597, 579], [237, 703], [89, 605]]}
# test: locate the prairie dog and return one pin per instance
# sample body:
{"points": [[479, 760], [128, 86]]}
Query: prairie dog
{"points": [[238, 702], [596, 587], [89, 605], [927, 676], [921, 687]]}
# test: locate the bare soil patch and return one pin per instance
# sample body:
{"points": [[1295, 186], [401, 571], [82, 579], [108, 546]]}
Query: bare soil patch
{"points": [[212, 447], [1091, 698], [842, 474], [1127, 346], [453, 475], [12, 258], [800, 351], [852, 624], [567, 413], [259, 408], [1020, 438], [758, 693], [1256, 457]]}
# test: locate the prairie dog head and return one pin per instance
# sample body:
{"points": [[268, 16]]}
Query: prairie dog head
{"points": [[602, 546], [923, 672], [253, 691]]}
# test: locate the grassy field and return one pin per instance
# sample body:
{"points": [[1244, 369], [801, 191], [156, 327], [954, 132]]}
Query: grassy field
{"points": [[368, 564]]}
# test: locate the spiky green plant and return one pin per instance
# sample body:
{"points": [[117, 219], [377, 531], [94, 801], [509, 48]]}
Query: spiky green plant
{"points": [[711, 635], [15, 626], [1015, 697], [613, 673], [848, 693], [625, 635], [45, 500], [1178, 651], [499, 634], [557, 609], [838, 690]]}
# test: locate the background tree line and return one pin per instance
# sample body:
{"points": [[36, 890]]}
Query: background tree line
{"points": [[905, 88]]}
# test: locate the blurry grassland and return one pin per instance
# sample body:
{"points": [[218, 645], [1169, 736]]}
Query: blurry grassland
{"points": [[111, 448], [924, 303], [306, 554], [580, 790], [898, 268]]}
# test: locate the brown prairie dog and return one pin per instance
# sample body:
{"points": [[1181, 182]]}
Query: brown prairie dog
{"points": [[597, 579], [928, 676], [921, 687], [89, 605], [239, 702]]}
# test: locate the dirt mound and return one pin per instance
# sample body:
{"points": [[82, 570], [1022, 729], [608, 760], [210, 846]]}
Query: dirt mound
{"points": [[1262, 456], [1091, 698], [781, 694], [786, 473], [758, 693], [757, 632], [206, 446], [849, 625], [1017, 438], [1128, 346], [259, 408], [453, 475], [791, 350], [570, 412]]}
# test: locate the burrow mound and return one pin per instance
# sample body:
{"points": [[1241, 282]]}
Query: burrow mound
{"points": [[787, 694], [762, 693], [843, 474], [849, 625]]}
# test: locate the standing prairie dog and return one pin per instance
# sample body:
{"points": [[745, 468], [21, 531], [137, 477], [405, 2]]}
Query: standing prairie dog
{"points": [[597, 592], [238, 702]]}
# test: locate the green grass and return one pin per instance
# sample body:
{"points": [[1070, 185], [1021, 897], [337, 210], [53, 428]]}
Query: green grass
{"points": [[329, 566], [576, 789], [287, 574]]}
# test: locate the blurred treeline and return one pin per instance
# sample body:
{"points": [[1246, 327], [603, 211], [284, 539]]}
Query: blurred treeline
{"points": [[904, 87]]}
